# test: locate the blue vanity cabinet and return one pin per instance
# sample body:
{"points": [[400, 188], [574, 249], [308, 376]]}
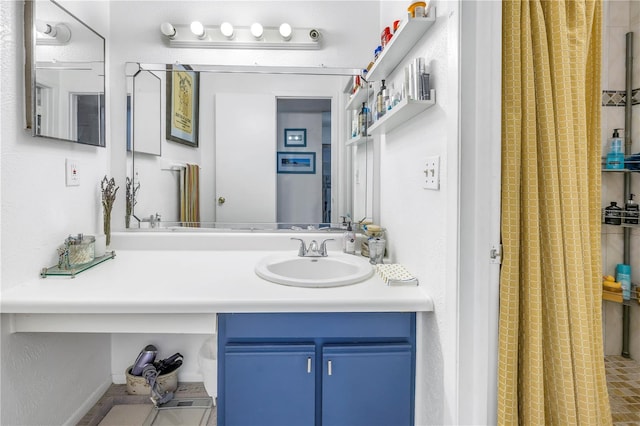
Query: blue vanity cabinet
{"points": [[367, 385], [316, 369], [270, 385]]}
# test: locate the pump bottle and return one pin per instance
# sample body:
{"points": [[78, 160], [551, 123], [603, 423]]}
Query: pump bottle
{"points": [[615, 157]]}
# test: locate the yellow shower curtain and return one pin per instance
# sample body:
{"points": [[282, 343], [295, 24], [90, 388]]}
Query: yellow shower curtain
{"points": [[551, 365]]}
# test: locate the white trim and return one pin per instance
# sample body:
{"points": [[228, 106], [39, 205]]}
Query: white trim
{"points": [[480, 107]]}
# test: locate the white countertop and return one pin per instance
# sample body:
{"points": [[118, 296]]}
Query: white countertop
{"points": [[160, 282], [148, 281]]}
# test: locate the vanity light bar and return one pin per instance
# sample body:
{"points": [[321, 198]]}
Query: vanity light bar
{"points": [[243, 38]]}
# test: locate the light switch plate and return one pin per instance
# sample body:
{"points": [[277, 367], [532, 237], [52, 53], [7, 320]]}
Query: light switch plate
{"points": [[431, 173], [72, 173]]}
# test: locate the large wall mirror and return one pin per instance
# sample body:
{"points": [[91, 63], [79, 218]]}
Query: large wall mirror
{"points": [[64, 75], [263, 147]]}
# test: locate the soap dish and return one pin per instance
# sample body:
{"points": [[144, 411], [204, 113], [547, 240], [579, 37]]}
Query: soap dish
{"points": [[395, 274]]}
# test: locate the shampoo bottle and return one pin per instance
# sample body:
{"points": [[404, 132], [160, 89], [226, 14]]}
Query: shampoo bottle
{"points": [[363, 120], [349, 240], [623, 276], [631, 211], [612, 214], [615, 157]]}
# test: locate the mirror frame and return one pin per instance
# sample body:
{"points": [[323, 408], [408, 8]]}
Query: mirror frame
{"points": [[30, 70]]}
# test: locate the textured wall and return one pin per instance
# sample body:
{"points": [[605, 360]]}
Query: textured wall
{"points": [[45, 378]]}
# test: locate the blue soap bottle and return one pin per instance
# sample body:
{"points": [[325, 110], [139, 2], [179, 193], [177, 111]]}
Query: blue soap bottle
{"points": [[615, 157]]}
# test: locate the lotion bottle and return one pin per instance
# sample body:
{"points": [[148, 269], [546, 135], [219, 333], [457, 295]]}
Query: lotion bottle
{"points": [[349, 240], [615, 157]]}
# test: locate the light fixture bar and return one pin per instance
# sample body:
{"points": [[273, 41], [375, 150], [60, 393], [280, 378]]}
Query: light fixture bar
{"points": [[300, 39]]}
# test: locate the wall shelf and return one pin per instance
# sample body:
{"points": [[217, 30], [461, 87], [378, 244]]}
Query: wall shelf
{"points": [[356, 141], [403, 40], [406, 109], [355, 102]]}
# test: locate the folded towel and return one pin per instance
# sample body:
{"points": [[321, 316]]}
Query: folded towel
{"points": [[395, 274]]}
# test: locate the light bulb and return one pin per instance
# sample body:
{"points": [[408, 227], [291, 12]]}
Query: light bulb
{"points": [[198, 29], [167, 29], [256, 30], [285, 31], [227, 30]]}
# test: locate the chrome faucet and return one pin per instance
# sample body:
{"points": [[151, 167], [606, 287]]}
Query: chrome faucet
{"points": [[313, 250]]}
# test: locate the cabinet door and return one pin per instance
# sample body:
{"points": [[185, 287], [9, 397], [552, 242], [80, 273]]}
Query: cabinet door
{"points": [[367, 385], [269, 384]]}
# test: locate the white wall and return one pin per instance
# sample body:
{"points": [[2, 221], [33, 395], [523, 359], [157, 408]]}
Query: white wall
{"points": [[422, 225], [45, 378], [620, 17]]}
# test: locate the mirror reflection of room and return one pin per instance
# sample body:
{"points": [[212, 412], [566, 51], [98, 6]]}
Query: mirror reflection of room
{"points": [[240, 154], [66, 59]]}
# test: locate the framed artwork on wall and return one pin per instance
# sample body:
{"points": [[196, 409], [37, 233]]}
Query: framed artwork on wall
{"points": [[295, 137], [297, 162], [182, 104]]}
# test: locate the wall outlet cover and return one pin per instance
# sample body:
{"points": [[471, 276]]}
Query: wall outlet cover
{"points": [[431, 173], [72, 173]]}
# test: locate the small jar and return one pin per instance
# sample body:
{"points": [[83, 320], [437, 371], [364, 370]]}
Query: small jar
{"points": [[81, 249]]}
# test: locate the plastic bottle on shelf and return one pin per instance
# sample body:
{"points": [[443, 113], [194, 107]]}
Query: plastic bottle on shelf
{"points": [[623, 276], [613, 214], [363, 120], [381, 101], [615, 157], [631, 211]]}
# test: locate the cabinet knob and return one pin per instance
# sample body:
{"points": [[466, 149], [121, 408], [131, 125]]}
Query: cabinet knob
{"points": [[309, 365], [329, 372], [221, 200]]}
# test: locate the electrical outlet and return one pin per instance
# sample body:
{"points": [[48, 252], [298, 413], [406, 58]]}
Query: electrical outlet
{"points": [[431, 173], [72, 172]]}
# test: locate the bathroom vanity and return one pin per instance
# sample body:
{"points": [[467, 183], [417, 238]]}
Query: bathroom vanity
{"points": [[312, 355]]}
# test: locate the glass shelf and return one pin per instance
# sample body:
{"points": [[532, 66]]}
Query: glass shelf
{"points": [[72, 272]]}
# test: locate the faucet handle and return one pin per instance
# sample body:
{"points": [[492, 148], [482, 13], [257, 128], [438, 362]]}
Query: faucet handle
{"points": [[303, 248], [323, 246]]}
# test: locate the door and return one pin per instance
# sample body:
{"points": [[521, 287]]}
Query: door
{"points": [[367, 385], [245, 158], [269, 385]]}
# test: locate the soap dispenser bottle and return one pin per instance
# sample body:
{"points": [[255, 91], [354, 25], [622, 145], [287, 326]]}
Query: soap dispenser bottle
{"points": [[631, 211], [615, 157], [349, 240]]}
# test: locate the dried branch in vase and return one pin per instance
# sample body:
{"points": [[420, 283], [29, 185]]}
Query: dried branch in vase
{"points": [[131, 192], [109, 190]]}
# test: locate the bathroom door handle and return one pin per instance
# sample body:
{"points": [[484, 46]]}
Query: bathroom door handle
{"points": [[221, 200]]}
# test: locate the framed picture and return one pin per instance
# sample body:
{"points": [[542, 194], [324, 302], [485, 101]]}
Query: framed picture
{"points": [[295, 137], [183, 87], [297, 162]]}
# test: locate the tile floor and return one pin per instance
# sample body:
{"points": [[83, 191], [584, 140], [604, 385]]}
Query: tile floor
{"points": [[623, 381], [117, 395]]}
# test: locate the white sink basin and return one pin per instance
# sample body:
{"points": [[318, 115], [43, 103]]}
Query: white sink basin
{"points": [[337, 269]]}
